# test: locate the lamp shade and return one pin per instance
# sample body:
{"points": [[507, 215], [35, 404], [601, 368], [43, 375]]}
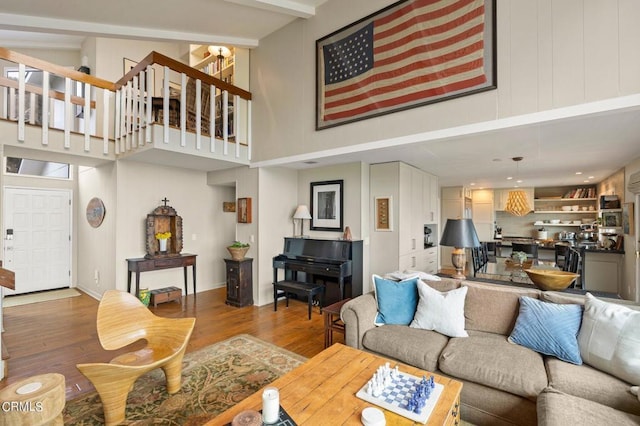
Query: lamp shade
{"points": [[302, 212], [459, 233], [219, 51], [517, 203]]}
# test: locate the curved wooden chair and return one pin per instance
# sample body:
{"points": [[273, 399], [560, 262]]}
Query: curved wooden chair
{"points": [[122, 320]]}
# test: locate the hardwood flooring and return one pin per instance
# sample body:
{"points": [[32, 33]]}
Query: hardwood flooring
{"points": [[52, 337]]}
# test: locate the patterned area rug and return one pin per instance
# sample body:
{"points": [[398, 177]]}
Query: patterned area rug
{"points": [[213, 379]]}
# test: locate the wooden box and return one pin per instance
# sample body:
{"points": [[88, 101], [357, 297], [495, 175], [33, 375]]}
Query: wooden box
{"points": [[166, 294]]}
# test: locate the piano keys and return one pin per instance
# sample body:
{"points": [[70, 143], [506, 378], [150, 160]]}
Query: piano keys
{"points": [[337, 264]]}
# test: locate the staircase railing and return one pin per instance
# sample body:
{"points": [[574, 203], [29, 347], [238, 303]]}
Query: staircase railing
{"points": [[52, 96], [191, 101]]}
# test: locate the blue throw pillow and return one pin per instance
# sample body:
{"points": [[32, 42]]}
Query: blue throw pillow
{"points": [[397, 300], [549, 328]]}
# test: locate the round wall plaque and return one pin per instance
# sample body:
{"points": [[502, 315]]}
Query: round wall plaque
{"points": [[95, 212]]}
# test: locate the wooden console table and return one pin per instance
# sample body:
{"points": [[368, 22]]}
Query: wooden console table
{"points": [[142, 264]]}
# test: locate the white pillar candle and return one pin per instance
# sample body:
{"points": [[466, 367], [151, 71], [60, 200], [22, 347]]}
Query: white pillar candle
{"points": [[270, 405]]}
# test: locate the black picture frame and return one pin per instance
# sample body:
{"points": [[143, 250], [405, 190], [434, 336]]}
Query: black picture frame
{"points": [[346, 94], [327, 206]]}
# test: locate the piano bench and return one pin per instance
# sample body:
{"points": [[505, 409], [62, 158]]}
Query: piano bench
{"points": [[298, 288]]}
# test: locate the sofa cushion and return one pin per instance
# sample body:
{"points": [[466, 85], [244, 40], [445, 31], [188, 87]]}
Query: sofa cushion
{"points": [[413, 346], [482, 405], [559, 409], [493, 308], [440, 311], [549, 328], [609, 339], [397, 301], [578, 380], [489, 359]]}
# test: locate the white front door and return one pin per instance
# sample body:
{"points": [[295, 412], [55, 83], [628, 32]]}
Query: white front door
{"points": [[37, 238]]}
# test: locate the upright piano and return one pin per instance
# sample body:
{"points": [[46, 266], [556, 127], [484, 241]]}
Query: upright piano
{"points": [[337, 264]]}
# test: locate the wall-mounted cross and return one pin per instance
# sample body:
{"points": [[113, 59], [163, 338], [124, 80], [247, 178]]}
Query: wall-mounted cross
{"points": [[165, 201]]}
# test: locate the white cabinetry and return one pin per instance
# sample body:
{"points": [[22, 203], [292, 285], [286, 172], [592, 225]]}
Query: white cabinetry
{"points": [[456, 203], [500, 197], [483, 213], [602, 271], [402, 247]]}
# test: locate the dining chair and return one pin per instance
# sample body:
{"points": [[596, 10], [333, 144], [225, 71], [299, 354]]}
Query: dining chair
{"points": [[561, 254], [530, 249], [122, 320], [478, 258], [490, 248], [573, 264]]}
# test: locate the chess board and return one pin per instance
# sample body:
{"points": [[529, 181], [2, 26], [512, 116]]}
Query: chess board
{"points": [[395, 397]]}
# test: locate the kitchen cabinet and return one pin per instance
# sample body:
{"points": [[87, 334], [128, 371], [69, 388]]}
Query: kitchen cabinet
{"points": [[482, 213], [602, 271], [500, 197], [456, 203], [410, 191]]}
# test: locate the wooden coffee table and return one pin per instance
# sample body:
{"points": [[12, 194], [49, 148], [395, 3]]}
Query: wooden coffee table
{"points": [[323, 391]]}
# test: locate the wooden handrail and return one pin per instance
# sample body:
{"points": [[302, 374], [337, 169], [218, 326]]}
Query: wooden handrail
{"points": [[58, 70], [160, 59], [76, 100]]}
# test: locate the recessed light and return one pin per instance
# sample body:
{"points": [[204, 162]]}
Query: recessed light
{"points": [[578, 173], [587, 181], [472, 184], [591, 177], [519, 181], [509, 178]]}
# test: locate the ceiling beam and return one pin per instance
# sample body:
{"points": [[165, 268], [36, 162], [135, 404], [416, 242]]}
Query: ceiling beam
{"points": [[288, 7], [66, 26]]}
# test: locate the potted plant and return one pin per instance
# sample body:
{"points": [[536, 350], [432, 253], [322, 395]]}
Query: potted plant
{"points": [[238, 250]]}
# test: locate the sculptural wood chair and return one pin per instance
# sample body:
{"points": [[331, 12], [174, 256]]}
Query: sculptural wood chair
{"points": [[122, 320]]}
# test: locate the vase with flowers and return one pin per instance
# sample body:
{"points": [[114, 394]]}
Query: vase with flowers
{"points": [[162, 238]]}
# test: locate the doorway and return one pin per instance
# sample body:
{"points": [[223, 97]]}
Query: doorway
{"points": [[37, 238]]}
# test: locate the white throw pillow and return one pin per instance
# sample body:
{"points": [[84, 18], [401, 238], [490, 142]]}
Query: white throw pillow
{"points": [[440, 311], [609, 339]]}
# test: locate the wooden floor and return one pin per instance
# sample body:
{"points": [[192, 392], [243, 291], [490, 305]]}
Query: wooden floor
{"points": [[52, 337]]}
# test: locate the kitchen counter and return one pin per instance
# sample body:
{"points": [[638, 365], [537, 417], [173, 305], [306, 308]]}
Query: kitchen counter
{"points": [[549, 245]]}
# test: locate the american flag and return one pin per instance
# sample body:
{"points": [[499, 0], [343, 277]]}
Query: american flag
{"points": [[414, 52]]}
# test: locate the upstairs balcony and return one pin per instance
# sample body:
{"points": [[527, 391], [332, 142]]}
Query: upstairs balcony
{"points": [[162, 111]]}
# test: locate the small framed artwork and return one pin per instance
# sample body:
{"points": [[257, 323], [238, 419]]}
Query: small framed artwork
{"points": [[95, 212], [384, 214], [243, 206], [326, 206], [229, 206], [628, 219]]}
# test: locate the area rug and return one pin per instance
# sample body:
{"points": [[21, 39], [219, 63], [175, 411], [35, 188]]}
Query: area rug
{"points": [[42, 296], [214, 379]]}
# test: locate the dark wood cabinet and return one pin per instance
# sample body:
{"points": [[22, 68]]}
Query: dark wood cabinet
{"points": [[239, 282]]}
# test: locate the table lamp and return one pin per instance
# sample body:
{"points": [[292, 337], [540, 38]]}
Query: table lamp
{"points": [[460, 234], [302, 213]]}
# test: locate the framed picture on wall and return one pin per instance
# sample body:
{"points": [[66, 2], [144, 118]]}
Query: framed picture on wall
{"points": [[326, 206], [628, 219], [243, 206], [383, 214]]}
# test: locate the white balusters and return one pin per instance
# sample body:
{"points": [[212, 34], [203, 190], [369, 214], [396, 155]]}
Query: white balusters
{"points": [[150, 86], [106, 94], [21, 88], [198, 113], [212, 116], [87, 117], [165, 105], [183, 109], [236, 115], [45, 108], [68, 112], [225, 122]]}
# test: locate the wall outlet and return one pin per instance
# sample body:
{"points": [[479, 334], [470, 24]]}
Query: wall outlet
{"points": [[96, 276]]}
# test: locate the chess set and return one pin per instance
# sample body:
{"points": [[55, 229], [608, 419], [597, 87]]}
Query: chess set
{"points": [[409, 396]]}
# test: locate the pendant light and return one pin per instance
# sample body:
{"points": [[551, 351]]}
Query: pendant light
{"points": [[517, 203]]}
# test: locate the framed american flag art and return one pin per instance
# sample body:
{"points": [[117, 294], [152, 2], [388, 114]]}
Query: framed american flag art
{"points": [[409, 54]]}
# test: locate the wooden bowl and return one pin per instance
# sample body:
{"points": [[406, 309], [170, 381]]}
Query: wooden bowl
{"points": [[550, 279]]}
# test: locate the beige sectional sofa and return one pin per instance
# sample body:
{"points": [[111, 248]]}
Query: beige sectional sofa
{"points": [[504, 383]]}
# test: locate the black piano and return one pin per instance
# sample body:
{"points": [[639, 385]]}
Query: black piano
{"points": [[337, 264]]}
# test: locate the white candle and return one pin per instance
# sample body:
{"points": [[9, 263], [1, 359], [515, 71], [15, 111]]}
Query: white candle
{"points": [[270, 405]]}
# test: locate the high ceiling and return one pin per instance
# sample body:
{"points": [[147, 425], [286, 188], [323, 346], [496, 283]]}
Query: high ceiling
{"points": [[596, 140]]}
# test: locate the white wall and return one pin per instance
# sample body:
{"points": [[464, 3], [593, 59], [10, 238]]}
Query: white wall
{"points": [[96, 260], [550, 54], [140, 189]]}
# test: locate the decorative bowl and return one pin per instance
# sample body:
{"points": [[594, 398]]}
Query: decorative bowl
{"points": [[237, 253], [575, 208], [554, 221], [566, 208], [547, 279]]}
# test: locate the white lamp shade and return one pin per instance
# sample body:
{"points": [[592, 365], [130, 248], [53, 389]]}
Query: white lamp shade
{"points": [[302, 212], [219, 50]]}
